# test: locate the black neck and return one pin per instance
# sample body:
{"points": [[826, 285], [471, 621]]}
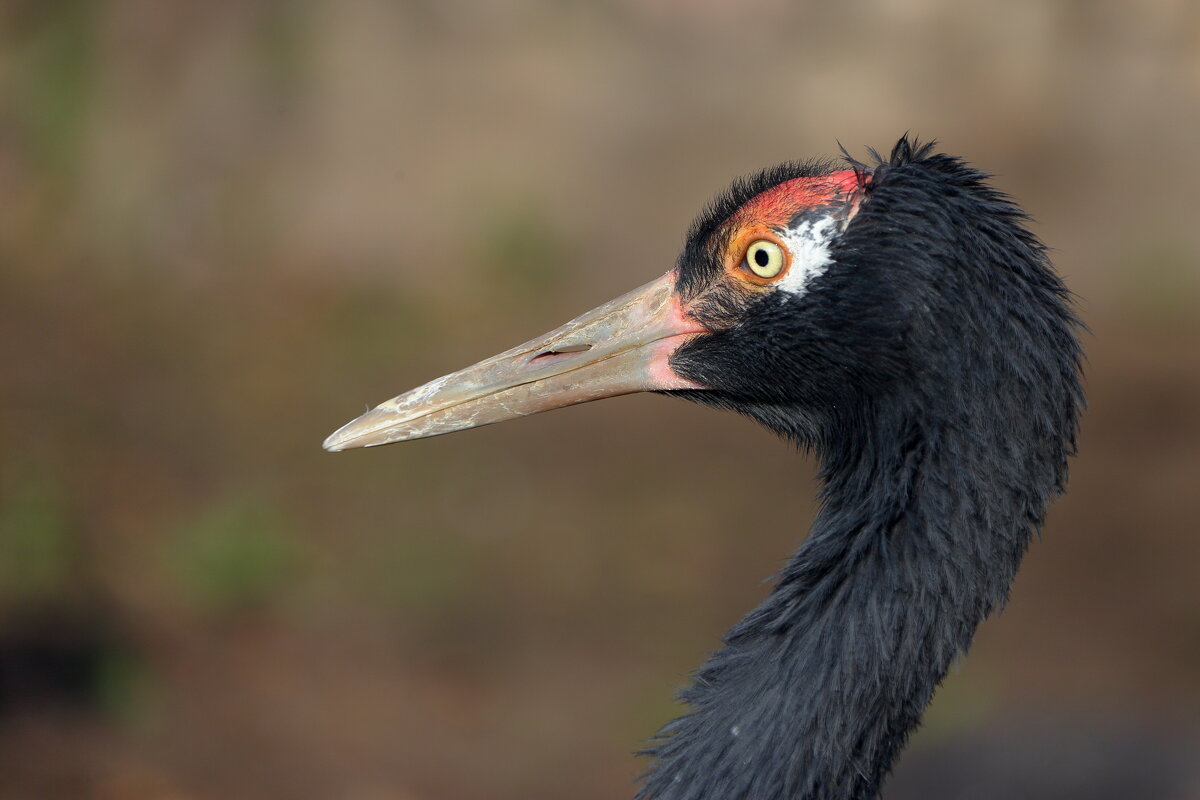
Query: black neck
{"points": [[817, 689]]}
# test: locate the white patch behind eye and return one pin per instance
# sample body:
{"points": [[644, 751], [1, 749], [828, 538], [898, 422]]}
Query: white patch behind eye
{"points": [[809, 243]]}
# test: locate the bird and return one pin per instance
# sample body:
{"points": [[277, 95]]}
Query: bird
{"points": [[896, 316]]}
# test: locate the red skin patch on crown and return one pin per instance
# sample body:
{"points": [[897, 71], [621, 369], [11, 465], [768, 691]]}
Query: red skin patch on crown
{"points": [[776, 207]]}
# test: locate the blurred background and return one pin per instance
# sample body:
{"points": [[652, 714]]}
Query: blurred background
{"points": [[226, 226]]}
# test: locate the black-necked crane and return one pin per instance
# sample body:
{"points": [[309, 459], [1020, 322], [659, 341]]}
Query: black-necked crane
{"points": [[899, 319]]}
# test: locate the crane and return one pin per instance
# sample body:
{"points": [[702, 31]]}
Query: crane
{"points": [[897, 317]]}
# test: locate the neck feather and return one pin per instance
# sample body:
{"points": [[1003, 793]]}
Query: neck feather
{"points": [[817, 689]]}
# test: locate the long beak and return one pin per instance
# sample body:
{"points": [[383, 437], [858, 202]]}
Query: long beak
{"points": [[623, 346]]}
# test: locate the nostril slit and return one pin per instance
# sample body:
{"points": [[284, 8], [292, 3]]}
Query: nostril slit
{"points": [[564, 350]]}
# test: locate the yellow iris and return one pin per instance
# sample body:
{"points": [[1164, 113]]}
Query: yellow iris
{"points": [[765, 258]]}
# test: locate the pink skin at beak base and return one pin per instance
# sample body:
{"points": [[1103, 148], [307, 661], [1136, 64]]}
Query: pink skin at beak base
{"points": [[662, 377]]}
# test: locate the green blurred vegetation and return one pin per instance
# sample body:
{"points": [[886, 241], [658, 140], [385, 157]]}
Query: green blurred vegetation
{"points": [[48, 77], [235, 555], [125, 687], [38, 549], [522, 253]]}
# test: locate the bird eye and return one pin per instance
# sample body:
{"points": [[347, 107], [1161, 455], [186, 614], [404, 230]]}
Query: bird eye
{"points": [[764, 258]]}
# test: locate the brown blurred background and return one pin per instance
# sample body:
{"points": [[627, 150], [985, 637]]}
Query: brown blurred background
{"points": [[225, 226]]}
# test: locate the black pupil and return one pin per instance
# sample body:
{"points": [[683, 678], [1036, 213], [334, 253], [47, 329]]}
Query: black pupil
{"points": [[761, 258]]}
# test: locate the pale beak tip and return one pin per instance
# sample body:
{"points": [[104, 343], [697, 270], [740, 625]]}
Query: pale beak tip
{"points": [[335, 442], [342, 439], [363, 431]]}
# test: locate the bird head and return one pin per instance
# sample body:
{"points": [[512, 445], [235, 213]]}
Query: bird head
{"points": [[899, 318], [800, 293]]}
